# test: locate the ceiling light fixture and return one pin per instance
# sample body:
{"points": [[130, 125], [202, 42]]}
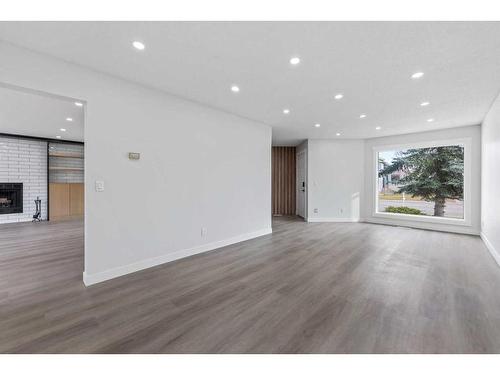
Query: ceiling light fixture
{"points": [[430, 120], [69, 119], [294, 60], [424, 104], [62, 129], [417, 75], [138, 45], [362, 116], [78, 104], [286, 111], [317, 125], [235, 88], [339, 96], [58, 136], [338, 134], [378, 128]]}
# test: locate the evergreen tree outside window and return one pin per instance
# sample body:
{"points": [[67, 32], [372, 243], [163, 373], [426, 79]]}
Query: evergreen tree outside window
{"points": [[422, 181]]}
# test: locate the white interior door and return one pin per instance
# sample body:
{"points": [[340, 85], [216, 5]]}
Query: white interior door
{"points": [[301, 184]]}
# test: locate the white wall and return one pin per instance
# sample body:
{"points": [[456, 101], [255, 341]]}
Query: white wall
{"points": [[335, 179], [490, 183], [25, 160], [199, 167], [471, 132]]}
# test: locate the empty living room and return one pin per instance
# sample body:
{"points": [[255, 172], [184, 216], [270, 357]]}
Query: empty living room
{"points": [[232, 186]]}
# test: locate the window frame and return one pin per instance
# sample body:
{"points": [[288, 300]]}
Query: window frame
{"points": [[466, 143]]}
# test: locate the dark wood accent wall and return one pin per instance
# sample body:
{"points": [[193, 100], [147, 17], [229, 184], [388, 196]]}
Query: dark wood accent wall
{"points": [[283, 176]]}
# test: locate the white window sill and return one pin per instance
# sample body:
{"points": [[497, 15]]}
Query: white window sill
{"points": [[422, 218]]}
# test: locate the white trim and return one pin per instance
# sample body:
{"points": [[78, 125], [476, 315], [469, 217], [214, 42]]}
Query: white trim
{"points": [[422, 225], [466, 221], [331, 220], [494, 253], [152, 262], [427, 219]]}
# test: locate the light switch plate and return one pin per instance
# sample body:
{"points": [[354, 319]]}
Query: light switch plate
{"points": [[99, 186]]}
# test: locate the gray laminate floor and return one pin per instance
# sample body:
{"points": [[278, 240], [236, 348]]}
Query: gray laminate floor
{"points": [[307, 288]]}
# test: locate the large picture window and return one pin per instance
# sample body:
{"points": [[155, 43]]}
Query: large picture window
{"points": [[421, 181]]}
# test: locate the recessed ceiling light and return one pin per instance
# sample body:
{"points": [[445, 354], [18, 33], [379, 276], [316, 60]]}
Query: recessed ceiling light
{"points": [[424, 104], [69, 119], [138, 45], [294, 60], [339, 96], [235, 88], [362, 116], [378, 128], [417, 75], [62, 129], [317, 125], [286, 111], [58, 136], [430, 120], [78, 104], [338, 134]]}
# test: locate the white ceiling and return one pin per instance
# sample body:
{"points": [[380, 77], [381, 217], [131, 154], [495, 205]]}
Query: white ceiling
{"points": [[369, 62], [27, 113]]}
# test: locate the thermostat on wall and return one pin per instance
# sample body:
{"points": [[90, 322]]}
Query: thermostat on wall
{"points": [[99, 186], [134, 155]]}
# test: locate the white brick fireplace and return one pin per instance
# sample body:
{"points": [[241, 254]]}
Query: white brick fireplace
{"points": [[25, 161]]}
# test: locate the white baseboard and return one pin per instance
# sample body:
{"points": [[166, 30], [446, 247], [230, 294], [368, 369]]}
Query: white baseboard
{"points": [[90, 279], [331, 220], [494, 253]]}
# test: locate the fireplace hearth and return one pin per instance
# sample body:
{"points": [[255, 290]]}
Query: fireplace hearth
{"points": [[11, 198]]}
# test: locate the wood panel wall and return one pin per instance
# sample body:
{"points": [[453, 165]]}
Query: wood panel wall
{"points": [[66, 201], [283, 180]]}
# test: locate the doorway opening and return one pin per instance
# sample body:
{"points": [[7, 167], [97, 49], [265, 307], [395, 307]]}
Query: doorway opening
{"points": [[289, 183], [41, 188]]}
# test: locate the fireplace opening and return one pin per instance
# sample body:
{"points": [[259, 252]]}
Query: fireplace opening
{"points": [[11, 198]]}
